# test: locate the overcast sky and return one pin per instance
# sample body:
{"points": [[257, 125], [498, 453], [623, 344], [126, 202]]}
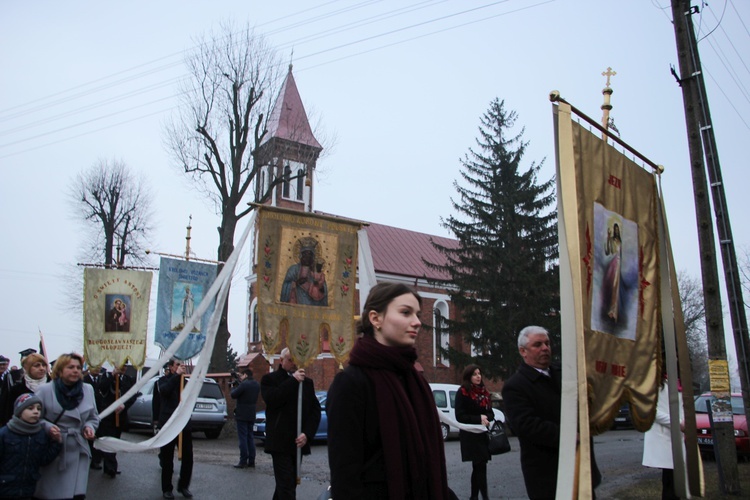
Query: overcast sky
{"points": [[400, 85]]}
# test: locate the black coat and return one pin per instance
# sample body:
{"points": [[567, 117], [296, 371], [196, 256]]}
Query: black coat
{"points": [[279, 390], [473, 445], [532, 409], [246, 395], [169, 397], [106, 396], [6, 382], [355, 447]]}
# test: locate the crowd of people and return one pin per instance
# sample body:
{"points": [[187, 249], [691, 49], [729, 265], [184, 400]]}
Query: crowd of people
{"points": [[384, 435]]}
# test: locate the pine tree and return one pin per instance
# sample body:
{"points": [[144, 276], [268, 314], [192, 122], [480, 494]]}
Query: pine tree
{"points": [[503, 272]]}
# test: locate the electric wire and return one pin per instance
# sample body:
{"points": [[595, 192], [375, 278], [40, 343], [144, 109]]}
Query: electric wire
{"points": [[455, 14]]}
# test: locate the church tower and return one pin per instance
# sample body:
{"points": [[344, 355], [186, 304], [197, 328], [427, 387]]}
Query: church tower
{"points": [[289, 151]]}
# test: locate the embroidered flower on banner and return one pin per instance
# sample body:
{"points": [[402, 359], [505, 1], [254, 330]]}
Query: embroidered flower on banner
{"points": [[338, 346], [303, 347], [347, 274], [268, 253]]}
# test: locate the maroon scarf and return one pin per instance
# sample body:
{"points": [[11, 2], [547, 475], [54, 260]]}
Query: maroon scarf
{"points": [[409, 426]]}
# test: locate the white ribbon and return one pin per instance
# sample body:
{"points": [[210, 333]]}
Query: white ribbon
{"points": [[181, 416]]}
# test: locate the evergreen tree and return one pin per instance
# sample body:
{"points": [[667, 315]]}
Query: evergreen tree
{"points": [[503, 272]]}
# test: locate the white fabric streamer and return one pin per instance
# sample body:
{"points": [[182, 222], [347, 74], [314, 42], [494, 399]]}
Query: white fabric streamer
{"points": [[475, 428], [181, 416]]}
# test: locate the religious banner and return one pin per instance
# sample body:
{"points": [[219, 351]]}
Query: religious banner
{"points": [[182, 285], [610, 216], [115, 310], [306, 283]]}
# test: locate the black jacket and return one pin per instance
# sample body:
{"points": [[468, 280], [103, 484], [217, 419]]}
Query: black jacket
{"points": [[532, 408], [279, 390], [473, 445], [355, 447], [169, 397], [106, 394], [246, 395]]}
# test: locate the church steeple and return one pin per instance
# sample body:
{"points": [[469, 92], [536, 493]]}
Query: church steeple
{"points": [[289, 151], [288, 119]]}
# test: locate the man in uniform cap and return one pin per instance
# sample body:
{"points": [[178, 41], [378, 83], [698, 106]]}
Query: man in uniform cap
{"points": [[6, 382]]}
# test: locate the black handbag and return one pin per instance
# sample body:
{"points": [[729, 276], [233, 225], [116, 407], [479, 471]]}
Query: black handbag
{"points": [[498, 443]]}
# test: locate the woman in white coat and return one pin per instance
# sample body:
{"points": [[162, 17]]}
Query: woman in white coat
{"points": [[657, 442], [69, 411]]}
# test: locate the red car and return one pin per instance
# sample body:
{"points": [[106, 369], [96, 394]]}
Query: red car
{"points": [[705, 438]]}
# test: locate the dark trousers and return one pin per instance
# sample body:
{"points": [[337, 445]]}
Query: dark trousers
{"points": [[285, 474], [109, 460], [247, 441], [166, 461], [667, 485]]}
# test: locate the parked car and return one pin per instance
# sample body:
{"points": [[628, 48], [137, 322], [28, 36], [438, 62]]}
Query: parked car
{"points": [[445, 399], [705, 436], [623, 420], [259, 428], [209, 413]]}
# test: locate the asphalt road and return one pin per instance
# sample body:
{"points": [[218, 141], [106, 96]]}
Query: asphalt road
{"points": [[618, 454]]}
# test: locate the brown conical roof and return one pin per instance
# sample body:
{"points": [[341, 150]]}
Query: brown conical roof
{"points": [[288, 119]]}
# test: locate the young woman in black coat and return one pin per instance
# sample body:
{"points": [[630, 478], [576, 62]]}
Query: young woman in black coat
{"points": [[384, 439], [473, 406]]}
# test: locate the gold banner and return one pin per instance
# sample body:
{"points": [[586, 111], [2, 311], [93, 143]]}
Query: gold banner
{"points": [[306, 283], [115, 309], [617, 253]]}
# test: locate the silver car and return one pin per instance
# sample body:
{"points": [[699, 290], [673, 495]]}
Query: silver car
{"points": [[209, 413]]}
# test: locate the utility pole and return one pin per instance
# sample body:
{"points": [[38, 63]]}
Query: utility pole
{"points": [[701, 140]]}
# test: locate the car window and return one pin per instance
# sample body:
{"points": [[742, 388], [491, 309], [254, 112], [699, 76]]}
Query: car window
{"points": [[440, 400], [737, 406], [453, 399], [211, 391]]}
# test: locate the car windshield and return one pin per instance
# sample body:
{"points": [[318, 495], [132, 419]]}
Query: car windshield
{"points": [[737, 406]]}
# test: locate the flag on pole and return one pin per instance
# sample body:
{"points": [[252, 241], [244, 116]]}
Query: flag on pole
{"points": [[182, 286], [306, 283], [115, 308]]}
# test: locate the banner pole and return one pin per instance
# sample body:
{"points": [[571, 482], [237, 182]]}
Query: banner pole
{"points": [[299, 431]]}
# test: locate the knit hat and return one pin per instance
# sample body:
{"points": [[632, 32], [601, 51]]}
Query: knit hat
{"points": [[24, 401]]}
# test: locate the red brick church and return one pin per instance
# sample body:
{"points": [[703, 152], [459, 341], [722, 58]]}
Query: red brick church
{"points": [[290, 150]]}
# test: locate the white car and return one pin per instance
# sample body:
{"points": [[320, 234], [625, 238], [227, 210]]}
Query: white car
{"points": [[445, 399]]}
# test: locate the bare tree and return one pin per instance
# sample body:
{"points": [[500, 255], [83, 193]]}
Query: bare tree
{"points": [[219, 128], [694, 313], [116, 207]]}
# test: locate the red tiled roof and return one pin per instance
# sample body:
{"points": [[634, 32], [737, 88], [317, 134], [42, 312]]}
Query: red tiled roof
{"points": [[400, 251], [288, 119]]}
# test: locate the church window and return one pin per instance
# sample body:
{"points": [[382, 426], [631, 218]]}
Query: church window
{"points": [[300, 183], [287, 181]]}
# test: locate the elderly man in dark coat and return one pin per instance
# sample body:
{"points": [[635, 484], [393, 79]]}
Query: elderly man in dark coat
{"points": [[280, 392], [532, 408], [246, 394]]}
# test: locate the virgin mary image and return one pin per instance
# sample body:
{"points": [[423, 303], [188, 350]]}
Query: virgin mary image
{"points": [[615, 287]]}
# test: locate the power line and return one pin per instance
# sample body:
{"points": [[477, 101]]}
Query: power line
{"points": [[330, 49]]}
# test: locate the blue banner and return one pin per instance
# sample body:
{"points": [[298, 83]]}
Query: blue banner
{"points": [[182, 285]]}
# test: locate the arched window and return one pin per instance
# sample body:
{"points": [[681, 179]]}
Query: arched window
{"points": [[287, 181], [300, 183], [254, 333], [441, 339]]}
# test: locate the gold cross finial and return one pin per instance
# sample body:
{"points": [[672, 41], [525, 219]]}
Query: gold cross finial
{"points": [[608, 74]]}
